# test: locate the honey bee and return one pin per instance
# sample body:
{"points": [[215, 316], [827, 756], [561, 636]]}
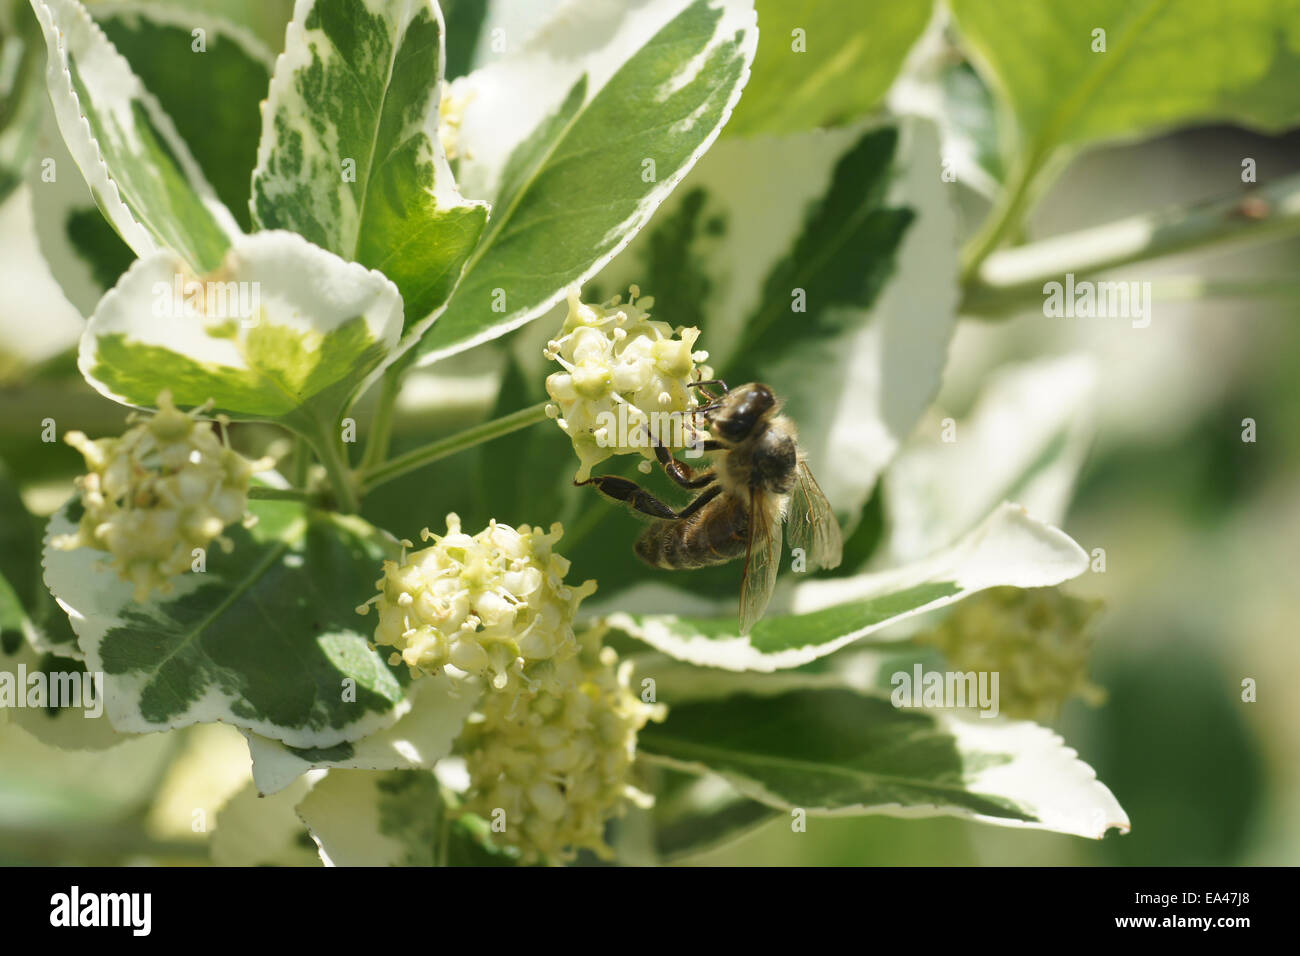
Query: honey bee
{"points": [[759, 478]]}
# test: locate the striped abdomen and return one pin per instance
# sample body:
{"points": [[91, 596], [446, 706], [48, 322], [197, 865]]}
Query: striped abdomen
{"points": [[715, 534]]}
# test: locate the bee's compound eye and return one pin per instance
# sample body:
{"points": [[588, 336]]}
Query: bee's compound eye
{"points": [[733, 427]]}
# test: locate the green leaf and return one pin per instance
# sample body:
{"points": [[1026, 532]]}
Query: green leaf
{"points": [[464, 20], [821, 616], [564, 155], [439, 708], [284, 332], [259, 829], [20, 102], [1025, 441], [138, 168], [211, 95], [391, 819], [694, 814], [266, 639], [799, 80], [837, 751], [84, 253], [955, 97], [264, 19], [29, 617], [350, 157], [1062, 92]]}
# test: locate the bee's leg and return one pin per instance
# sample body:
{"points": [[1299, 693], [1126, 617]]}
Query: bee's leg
{"points": [[682, 473], [703, 387], [622, 489]]}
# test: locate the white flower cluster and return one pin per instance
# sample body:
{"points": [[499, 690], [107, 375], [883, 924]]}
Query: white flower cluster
{"points": [[168, 485], [1037, 640], [557, 762], [491, 605], [626, 378]]}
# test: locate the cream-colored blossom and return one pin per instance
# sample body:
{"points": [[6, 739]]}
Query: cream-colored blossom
{"points": [[168, 485], [556, 762], [1037, 640], [620, 369], [491, 604]]}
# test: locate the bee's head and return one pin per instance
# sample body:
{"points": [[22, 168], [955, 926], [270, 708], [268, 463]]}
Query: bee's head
{"points": [[740, 411]]}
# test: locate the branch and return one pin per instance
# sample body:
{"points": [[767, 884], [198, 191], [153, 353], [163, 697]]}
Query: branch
{"points": [[426, 454], [1014, 278]]}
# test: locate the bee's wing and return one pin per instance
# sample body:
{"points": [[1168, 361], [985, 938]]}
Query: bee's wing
{"points": [[812, 523], [762, 559]]}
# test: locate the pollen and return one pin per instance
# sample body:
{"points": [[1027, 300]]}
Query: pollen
{"points": [[487, 605], [623, 375]]}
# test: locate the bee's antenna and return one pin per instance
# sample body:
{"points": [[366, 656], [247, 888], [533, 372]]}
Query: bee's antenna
{"points": [[702, 386]]}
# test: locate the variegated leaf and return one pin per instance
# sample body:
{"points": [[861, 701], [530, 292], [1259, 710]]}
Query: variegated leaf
{"points": [[209, 74], [439, 708], [1008, 548], [1025, 441], [399, 818], [228, 77], [841, 752], [266, 638], [577, 140], [839, 289], [350, 155], [282, 331], [808, 48], [260, 829], [139, 170]]}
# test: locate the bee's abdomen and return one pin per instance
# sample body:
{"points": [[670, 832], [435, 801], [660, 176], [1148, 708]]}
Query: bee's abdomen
{"points": [[715, 535]]}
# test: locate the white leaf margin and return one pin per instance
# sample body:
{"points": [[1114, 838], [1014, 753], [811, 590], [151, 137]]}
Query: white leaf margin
{"points": [[341, 812], [73, 25], [534, 84], [257, 829], [1045, 778], [439, 709], [936, 491], [1009, 548], [102, 595], [291, 274]]}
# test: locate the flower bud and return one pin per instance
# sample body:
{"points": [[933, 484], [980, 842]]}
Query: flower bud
{"points": [[490, 605], [168, 485], [557, 760], [623, 374], [1037, 640]]}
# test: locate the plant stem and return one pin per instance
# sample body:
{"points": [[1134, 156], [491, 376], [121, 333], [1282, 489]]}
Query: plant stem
{"points": [[1005, 218], [278, 494], [342, 480], [381, 428], [301, 461], [419, 457], [1014, 278]]}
